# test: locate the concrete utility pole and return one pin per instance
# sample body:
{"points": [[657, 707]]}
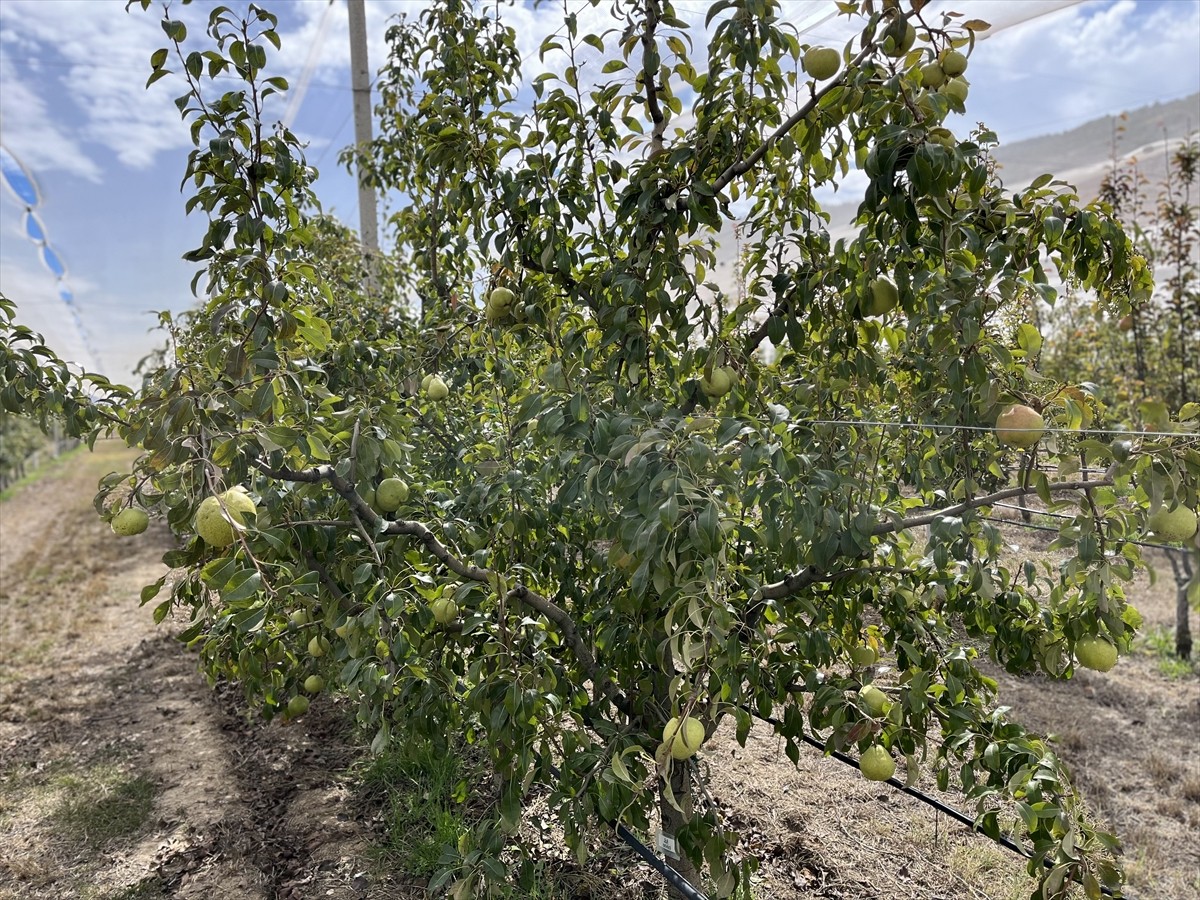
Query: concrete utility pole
{"points": [[360, 80]]}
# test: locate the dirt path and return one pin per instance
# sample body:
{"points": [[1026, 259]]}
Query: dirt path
{"points": [[122, 774]]}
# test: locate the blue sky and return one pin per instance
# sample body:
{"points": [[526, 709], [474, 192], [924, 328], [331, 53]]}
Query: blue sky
{"points": [[108, 155]]}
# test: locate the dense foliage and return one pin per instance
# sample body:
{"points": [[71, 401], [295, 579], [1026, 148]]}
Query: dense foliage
{"points": [[647, 494], [1144, 363]]}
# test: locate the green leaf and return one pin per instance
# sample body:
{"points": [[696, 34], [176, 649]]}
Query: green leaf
{"points": [[242, 586], [150, 591]]}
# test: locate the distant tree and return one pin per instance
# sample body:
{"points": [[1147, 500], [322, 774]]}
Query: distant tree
{"points": [[1143, 365]]}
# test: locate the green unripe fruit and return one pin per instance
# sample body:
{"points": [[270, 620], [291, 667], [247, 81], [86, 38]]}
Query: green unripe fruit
{"points": [[874, 700], [1095, 653], [297, 706], [299, 617], [130, 521], [391, 493], [425, 382], [877, 764], [217, 516], [863, 655], [1177, 524], [501, 298], [899, 38], [953, 63], [444, 611], [684, 741], [436, 390], [933, 75], [1020, 426], [314, 684], [956, 88], [821, 62], [885, 297], [718, 384], [944, 137], [318, 647]]}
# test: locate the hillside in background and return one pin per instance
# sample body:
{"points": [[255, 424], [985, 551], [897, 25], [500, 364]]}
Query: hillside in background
{"points": [[1082, 155]]}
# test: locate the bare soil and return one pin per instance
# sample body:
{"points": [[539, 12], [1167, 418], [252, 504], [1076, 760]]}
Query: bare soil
{"points": [[125, 775]]}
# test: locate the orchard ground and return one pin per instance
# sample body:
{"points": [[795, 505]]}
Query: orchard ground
{"points": [[124, 775]]}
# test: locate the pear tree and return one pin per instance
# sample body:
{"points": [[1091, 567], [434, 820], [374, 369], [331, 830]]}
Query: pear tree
{"points": [[640, 505]]}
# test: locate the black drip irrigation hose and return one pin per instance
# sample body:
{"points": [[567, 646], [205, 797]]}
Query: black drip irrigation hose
{"points": [[929, 801], [656, 862]]}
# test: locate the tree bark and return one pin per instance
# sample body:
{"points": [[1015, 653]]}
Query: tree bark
{"points": [[1183, 631], [673, 821]]}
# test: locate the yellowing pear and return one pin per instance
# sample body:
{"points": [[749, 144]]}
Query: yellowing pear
{"points": [[874, 699], [953, 63], [436, 390], [218, 518], [877, 764], [933, 76], [718, 384], [884, 297], [1020, 426], [444, 611], [297, 706], [863, 655], [1095, 653], [956, 88], [822, 63], [391, 493], [684, 741], [899, 38], [130, 522], [1177, 524]]}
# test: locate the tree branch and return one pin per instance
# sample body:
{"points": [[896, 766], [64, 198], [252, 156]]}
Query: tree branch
{"points": [[812, 574], [986, 500], [745, 165], [650, 59], [560, 617]]}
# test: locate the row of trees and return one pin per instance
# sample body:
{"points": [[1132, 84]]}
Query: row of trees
{"points": [[1142, 364], [618, 508]]}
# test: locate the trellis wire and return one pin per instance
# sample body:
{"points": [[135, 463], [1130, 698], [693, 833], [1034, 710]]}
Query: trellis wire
{"points": [[938, 426], [950, 811], [1037, 512]]}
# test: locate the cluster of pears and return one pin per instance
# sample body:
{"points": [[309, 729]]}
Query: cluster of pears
{"points": [[498, 305], [435, 388]]}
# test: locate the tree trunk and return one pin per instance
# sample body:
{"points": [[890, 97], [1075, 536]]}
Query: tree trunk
{"points": [[1183, 631], [673, 820]]}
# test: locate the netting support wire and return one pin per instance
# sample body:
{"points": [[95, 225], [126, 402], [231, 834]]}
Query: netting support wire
{"points": [[899, 785], [656, 862], [1166, 548], [982, 429]]}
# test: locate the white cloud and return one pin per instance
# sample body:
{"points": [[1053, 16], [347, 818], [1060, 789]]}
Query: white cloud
{"points": [[91, 56], [1090, 60], [33, 135], [40, 308]]}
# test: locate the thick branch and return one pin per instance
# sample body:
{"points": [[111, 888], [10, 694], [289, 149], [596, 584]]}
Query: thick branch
{"points": [[741, 167], [986, 500], [522, 594], [812, 575], [650, 60]]}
